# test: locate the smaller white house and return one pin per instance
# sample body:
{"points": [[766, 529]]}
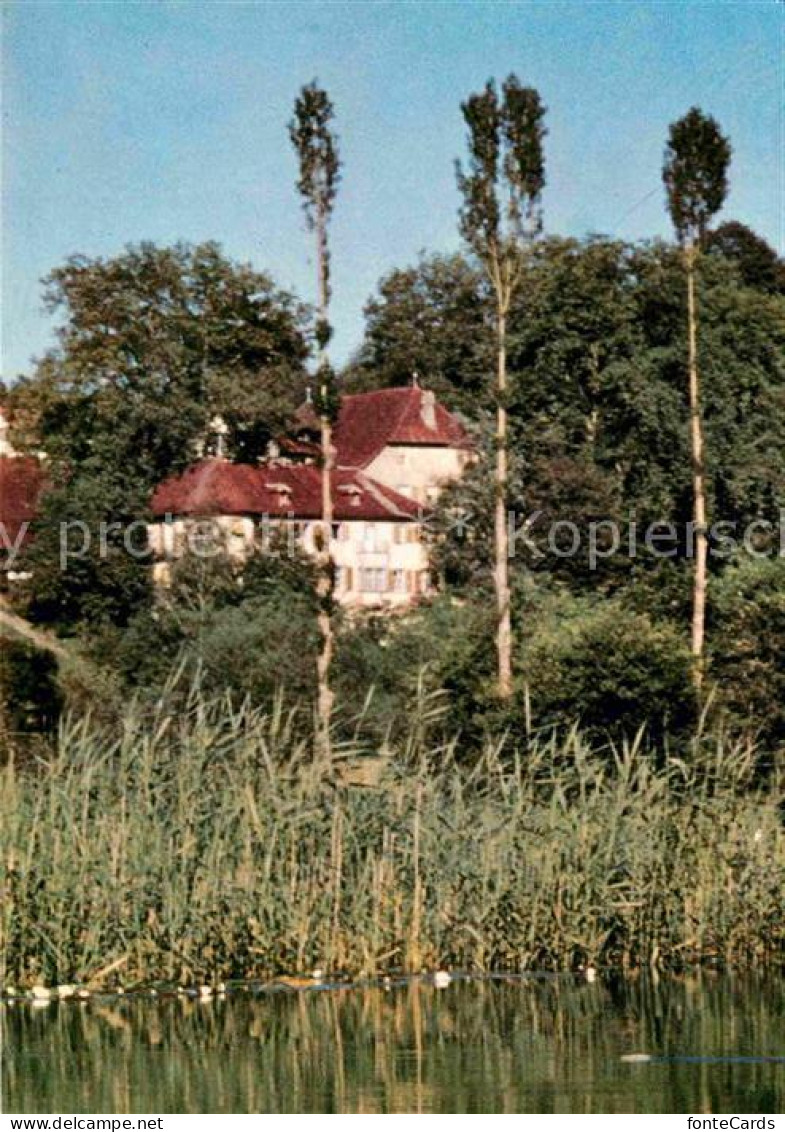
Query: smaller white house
{"points": [[395, 450]]}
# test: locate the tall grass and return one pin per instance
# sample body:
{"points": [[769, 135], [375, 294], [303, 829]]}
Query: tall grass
{"points": [[207, 843]]}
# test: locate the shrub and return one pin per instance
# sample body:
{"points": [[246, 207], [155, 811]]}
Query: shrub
{"points": [[747, 644], [612, 669], [30, 698]]}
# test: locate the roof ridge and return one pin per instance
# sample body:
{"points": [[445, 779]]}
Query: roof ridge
{"points": [[404, 411], [387, 389]]}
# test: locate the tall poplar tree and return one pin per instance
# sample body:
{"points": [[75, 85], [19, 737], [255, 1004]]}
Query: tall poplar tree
{"points": [[500, 218], [316, 145], [695, 173]]}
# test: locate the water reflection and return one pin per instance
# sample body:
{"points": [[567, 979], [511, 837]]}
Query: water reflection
{"points": [[530, 1045]]}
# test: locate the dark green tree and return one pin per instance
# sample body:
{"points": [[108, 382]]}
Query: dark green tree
{"points": [[153, 343], [695, 174], [430, 320], [596, 413], [499, 220], [757, 261]]}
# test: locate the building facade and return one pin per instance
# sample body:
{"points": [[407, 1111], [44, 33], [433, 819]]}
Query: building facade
{"points": [[395, 449]]}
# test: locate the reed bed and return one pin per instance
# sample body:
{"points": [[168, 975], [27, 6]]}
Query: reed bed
{"points": [[206, 843]]}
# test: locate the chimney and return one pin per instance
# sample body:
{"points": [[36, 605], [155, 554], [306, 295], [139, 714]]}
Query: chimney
{"points": [[428, 409]]}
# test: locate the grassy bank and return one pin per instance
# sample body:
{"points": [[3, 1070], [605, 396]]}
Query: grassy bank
{"points": [[206, 843]]}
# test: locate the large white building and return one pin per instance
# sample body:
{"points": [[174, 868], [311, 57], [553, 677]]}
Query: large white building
{"points": [[394, 451]]}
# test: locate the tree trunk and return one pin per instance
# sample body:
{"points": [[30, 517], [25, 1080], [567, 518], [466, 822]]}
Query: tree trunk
{"points": [[325, 594], [503, 629], [325, 565], [698, 475]]}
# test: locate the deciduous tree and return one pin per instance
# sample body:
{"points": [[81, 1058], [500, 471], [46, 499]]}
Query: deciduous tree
{"points": [[152, 344], [695, 173], [499, 219], [316, 145]]}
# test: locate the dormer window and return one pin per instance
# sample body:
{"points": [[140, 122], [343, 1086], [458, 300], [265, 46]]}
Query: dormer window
{"points": [[353, 493], [282, 492]]}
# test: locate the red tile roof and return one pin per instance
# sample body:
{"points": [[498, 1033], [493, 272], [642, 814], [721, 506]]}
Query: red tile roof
{"points": [[217, 487], [305, 448], [369, 421], [21, 483]]}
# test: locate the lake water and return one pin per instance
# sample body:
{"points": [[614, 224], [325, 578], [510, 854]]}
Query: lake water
{"points": [[532, 1044]]}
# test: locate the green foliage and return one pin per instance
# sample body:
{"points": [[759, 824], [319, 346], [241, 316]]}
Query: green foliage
{"points": [[758, 263], [616, 669], [524, 163], [747, 627], [597, 409], [480, 215], [316, 145], [245, 630], [327, 399], [430, 320], [443, 647], [81, 578], [153, 344], [506, 174], [30, 696], [695, 174]]}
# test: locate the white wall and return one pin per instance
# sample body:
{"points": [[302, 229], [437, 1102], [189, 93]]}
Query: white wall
{"points": [[367, 555], [418, 472]]}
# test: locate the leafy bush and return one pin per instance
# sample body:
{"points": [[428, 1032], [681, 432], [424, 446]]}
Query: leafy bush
{"points": [[606, 666], [30, 698], [248, 631], [747, 644]]}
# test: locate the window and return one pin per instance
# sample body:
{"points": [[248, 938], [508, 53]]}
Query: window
{"points": [[398, 581], [403, 533], [373, 580], [344, 578]]}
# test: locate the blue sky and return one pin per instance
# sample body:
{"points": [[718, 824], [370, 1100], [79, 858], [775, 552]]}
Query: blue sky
{"points": [[166, 121]]}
